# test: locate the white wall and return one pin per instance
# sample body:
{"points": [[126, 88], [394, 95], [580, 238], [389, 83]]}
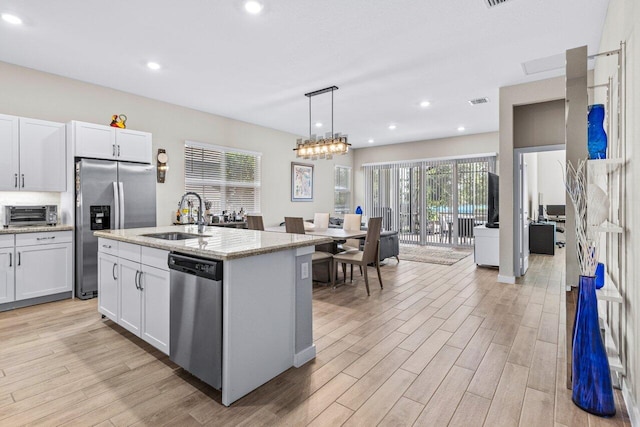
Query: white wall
{"points": [[35, 94], [551, 165], [460, 145], [511, 96], [623, 24]]}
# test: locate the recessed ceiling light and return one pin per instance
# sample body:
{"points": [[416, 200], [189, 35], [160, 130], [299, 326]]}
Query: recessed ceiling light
{"points": [[153, 65], [371, 141], [392, 127], [425, 104], [253, 7], [318, 124], [461, 129], [11, 19]]}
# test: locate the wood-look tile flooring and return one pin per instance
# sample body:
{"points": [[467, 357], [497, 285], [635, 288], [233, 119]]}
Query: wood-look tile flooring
{"points": [[440, 345]]}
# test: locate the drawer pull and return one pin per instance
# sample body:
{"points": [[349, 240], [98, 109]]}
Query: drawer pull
{"points": [[46, 238], [106, 246]]}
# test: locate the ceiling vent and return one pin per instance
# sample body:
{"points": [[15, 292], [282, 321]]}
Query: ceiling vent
{"points": [[479, 101], [492, 3]]}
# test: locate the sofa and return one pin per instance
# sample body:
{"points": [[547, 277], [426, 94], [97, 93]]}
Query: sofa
{"points": [[389, 245]]}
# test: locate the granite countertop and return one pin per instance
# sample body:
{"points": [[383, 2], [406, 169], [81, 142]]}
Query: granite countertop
{"points": [[216, 242], [35, 229]]}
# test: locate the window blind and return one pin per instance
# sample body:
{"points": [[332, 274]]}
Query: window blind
{"points": [[227, 178]]}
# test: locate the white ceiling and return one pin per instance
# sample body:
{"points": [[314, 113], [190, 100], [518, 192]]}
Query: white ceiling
{"points": [[386, 56]]}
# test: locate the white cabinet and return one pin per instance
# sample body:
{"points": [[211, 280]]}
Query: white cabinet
{"points": [[35, 265], [43, 264], [155, 306], [110, 143], [7, 275], [130, 296], [32, 154], [9, 152], [108, 286], [137, 296], [487, 246]]}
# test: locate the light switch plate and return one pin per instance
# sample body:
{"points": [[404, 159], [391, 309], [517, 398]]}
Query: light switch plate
{"points": [[304, 267]]}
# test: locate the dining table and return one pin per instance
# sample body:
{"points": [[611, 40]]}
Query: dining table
{"points": [[333, 233]]}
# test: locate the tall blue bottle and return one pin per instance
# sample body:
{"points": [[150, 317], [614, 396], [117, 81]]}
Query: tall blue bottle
{"points": [[591, 376], [597, 138]]}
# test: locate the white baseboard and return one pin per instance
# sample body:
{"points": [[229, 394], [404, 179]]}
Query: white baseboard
{"points": [[506, 279], [632, 408], [304, 356]]}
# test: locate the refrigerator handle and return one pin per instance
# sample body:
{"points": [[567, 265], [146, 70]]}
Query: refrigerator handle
{"points": [[121, 193], [116, 200]]}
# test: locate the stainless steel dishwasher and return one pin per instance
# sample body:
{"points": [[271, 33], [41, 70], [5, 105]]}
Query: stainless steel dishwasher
{"points": [[196, 316]]}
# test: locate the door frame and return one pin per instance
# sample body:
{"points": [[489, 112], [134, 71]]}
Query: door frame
{"points": [[518, 241]]}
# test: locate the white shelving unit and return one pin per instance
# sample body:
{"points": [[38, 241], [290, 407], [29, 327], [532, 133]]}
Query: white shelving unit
{"points": [[609, 175]]}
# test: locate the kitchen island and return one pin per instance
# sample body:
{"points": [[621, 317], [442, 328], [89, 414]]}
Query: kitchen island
{"points": [[266, 295]]}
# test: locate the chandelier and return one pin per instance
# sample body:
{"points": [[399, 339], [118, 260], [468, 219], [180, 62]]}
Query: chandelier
{"points": [[322, 148]]}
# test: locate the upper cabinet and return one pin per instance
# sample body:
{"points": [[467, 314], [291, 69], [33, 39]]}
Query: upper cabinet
{"points": [[32, 154], [106, 142]]}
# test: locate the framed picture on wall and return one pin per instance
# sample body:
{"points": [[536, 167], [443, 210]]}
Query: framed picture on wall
{"points": [[301, 182]]}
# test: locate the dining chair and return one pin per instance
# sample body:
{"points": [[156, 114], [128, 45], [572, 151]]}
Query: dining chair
{"points": [[369, 255], [295, 225], [351, 222], [321, 221], [254, 222]]}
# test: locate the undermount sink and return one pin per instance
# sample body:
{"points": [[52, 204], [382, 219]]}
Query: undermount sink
{"points": [[174, 235]]}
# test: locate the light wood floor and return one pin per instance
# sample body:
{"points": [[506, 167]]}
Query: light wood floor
{"points": [[438, 346]]}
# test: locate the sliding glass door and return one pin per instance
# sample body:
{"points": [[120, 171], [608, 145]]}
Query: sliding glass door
{"points": [[430, 202]]}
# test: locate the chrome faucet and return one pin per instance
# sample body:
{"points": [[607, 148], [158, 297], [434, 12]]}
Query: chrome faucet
{"points": [[200, 220]]}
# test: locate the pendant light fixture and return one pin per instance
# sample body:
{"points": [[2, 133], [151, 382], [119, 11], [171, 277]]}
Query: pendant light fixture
{"points": [[322, 148]]}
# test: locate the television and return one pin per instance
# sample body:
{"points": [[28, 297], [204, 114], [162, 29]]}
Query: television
{"points": [[555, 210], [493, 205]]}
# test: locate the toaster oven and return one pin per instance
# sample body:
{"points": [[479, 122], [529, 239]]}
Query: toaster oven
{"points": [[15, 216]]}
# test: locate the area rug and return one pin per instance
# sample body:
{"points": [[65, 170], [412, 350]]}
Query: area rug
{"points": [[434, 254]]}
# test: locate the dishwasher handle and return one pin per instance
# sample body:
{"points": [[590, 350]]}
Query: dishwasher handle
{"points": [[201, 267]]}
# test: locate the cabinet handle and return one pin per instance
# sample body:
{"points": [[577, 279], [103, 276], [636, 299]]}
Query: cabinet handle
{"points": [[114, 150], [19, 259], [22, 180], [16, 178], [118, 150], [106, 246], [136, 280], [113, 271], [140, 282], [46, 238], [10, 260]]}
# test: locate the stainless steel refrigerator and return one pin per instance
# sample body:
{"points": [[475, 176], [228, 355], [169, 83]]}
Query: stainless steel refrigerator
{"points": [[109, 195]]}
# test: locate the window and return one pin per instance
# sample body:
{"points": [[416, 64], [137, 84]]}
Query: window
{"points": [[227, 178], [342, 182]]}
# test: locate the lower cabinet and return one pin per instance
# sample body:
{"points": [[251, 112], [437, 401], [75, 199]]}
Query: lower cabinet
{"points": [[136, 295], [42, 270], [7, 275], [35, 265]]}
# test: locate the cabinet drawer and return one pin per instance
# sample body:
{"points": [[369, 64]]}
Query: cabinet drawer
{"points": [[129, 251], [157, 258], [45, 238], [108, 246], [7, 240]]}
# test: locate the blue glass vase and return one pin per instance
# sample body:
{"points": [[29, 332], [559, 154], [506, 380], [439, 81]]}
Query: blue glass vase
{"points": [[597, 138], [600, 275], [358, 210], [591, 376]]}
